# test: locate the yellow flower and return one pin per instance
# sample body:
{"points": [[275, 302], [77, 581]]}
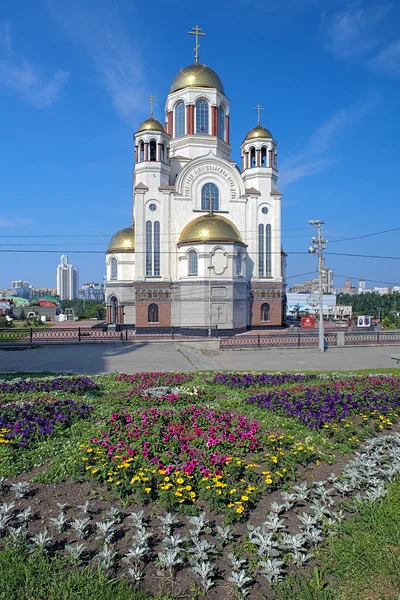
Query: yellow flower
{"points": [[180, 480], [110, 479], [232, 491], [245, 498], [117, 483], [94, 470], [147, 490], [192, 495]]}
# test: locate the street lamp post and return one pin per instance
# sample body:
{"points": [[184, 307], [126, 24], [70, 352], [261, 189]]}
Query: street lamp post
{"points": [[319, 245]]}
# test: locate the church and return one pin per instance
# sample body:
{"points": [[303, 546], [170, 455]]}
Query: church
{"points": [[203, 251]]}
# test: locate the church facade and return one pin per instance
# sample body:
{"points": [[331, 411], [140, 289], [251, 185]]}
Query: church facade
{"points": [[204, 248]]}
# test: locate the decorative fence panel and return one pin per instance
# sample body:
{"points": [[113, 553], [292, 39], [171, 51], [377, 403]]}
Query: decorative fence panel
{"points": [[285, 340]]}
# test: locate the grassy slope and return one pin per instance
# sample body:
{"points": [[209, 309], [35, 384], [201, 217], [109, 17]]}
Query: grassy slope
{"points": [[362, 563]]}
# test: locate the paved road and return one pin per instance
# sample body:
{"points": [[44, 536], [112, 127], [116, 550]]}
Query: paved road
{"points": [[96, 358], [282, 359], [129, 358]]}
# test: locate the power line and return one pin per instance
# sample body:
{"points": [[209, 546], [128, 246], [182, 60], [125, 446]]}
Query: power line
{"points": [[359, 237], [12, 251], [367, 279], [363, 255]]}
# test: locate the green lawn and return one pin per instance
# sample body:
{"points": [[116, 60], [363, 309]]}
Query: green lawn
{"points": [[36, 577], [361, 563]]}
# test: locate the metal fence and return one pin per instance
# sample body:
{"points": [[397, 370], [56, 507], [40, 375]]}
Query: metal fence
{"points": [[373, 337], [263, 340], [52, 334], [286, 340]]}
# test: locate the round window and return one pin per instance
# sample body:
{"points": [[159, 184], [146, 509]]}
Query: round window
{"points": [[152, 207], [264, 210]]}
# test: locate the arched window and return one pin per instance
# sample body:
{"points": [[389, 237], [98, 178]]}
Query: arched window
{"points": [[180, 119], [113, 268], [221, 122], [210, 194], [193, 262], [268, 256], [163, 157], [141, 152], [263, 156], [156, 249], [239, 260], [252, 158], [153, 249], [152, 313], [202, 116], [265, 310], [149, 248], [264, 250], [153, 150], [261, 250]]}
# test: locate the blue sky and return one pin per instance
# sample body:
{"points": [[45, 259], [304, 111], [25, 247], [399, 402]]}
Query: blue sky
{"points": [[74, 77]]}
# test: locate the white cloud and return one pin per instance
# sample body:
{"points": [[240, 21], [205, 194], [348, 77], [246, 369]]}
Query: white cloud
{"points": [[353, 31], [388, 60], [13, 221], [315, 157], [23, 79], [100, 30]]}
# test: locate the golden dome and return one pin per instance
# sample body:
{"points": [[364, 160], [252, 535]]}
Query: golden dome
{"points": [[123, 240], [210, 228], [196, 76], [258, 132], [151, 124]]}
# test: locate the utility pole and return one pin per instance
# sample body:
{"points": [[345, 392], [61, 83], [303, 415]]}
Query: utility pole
{"points": [[318, 246]]}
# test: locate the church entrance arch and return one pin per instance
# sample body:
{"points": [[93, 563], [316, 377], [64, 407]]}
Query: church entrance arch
{"points": [[114, 309]]}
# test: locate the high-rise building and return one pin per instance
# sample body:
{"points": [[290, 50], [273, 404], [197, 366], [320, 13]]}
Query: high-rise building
{"points": [[67, 280], [21, 288], [327, 281], [92, 291]]}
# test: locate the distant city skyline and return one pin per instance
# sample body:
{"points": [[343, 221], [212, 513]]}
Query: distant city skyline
{"points": [[330, 95]]}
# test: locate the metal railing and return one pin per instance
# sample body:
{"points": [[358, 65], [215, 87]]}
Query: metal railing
{"points": [[284, 340]]}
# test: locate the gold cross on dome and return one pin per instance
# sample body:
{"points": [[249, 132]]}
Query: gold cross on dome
{"points": [[151, 99], [210, 198], [197, 32], [258, 108]]}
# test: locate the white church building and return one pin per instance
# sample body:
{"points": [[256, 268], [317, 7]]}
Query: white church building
{"points": [[204, 248]]}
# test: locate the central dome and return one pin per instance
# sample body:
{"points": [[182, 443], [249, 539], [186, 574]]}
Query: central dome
{"points": [[196, 76], [210, 228]]}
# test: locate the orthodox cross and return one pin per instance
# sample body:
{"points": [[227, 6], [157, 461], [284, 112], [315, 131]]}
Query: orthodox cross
{"points": [[258, 108], [197, 33], [210, 198], [151, 99]]}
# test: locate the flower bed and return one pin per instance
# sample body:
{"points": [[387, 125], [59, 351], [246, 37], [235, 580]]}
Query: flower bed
{"points": [[182, 455], [251, 379], [70, 385], [336, 401], [25, 423], [149, 379]]}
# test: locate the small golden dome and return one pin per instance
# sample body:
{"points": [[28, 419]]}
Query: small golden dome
{"points": [[258, 132], [123, 240], [210, 228], [196, 76], [151, 124]]}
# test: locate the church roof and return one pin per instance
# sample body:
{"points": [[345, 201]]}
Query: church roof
{"points": [[123, 240], [210, 228], [151, 124], [258, 132], [196, 76]]}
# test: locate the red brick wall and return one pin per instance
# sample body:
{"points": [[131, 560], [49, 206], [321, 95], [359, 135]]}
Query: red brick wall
{"points": [[275, 313], [164, 313]]}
